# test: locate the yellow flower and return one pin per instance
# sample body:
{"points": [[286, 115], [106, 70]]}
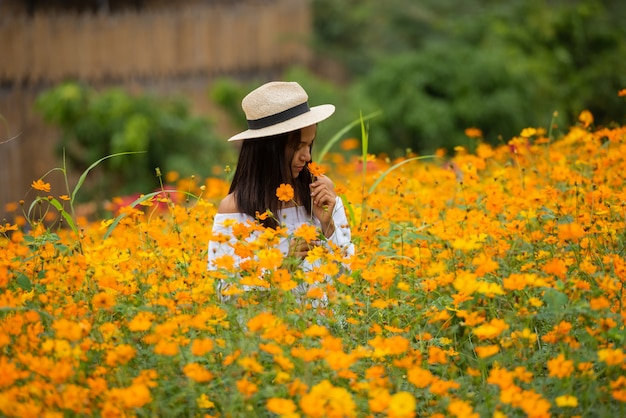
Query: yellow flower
{"points": [[204, 402], [612, 357], [284, 192], [401, 405], [566, 401]]}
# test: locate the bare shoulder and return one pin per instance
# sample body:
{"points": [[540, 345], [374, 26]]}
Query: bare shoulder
{"points": [[228, 205]]}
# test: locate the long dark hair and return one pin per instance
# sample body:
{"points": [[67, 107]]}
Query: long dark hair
{"points": [[264, 164]]}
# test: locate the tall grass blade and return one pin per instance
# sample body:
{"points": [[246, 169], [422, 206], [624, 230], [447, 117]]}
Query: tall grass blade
{"points": [[340, 134], [83, 176]]}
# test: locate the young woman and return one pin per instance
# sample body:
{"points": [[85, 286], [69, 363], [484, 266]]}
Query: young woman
{"points": [[275, 151]]}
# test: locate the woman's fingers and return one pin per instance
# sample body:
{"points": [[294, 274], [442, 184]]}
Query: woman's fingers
{"points": [[300, 248]]}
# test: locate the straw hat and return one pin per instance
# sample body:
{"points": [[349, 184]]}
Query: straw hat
{"points": [[278, 107]]}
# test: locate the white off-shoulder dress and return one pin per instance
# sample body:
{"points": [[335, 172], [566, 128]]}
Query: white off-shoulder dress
{"points": [[290, 218]]}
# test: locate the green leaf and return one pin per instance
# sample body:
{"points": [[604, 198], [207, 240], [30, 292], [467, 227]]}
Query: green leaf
{"points": [[555, 300], [24, 282]]}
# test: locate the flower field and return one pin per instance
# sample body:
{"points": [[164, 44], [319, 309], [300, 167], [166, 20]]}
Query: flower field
{"points": [[486, 284]]}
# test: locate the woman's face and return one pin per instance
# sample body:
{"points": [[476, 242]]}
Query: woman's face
{"points": [[302, 151]]}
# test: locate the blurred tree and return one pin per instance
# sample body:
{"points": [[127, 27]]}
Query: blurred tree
{"points": [[438, 67], [97, 124]]}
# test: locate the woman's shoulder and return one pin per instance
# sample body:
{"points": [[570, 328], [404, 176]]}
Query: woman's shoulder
{"points": [[228, 205]]}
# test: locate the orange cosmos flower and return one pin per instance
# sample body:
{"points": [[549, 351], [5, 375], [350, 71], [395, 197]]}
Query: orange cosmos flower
{"points": [[585, 118], [473, 133], [67, 329], [141, 322], [281, 406], [201, 346], [40, 185], [349, 144], [307, 232], [560, 367], [491, 329], [622, 93], [487, 351], [284, 192], [103, 300], [459, 408], [246, 387], [197, 372], [421, 378], [166, 348], [315, 169]]}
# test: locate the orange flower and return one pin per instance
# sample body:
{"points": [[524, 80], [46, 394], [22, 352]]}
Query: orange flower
{"points": [[585, 118], [473, 133], [560, 367], [349, 144], [315, 169], [197, 373], [459, 408], [103, 300], [40, 185], [284, 192], [246, 387], [611, 357], [281, 406], [307, 232], [201, 346], [622, 93], [491, 329], [487, 351], [141, 322]]}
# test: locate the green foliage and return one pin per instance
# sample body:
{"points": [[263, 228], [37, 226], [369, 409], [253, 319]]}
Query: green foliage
{"points": [[96, 124], [438, 67]]}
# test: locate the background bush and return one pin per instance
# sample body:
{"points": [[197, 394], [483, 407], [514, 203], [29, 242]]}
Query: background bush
{"points": [[95, 124], [438, 67]]}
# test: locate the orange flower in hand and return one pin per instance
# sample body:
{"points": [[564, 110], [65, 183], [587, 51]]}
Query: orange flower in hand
{"points": [[315, 169], [284, 192]]}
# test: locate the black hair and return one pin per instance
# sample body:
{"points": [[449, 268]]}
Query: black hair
{"points": [[264, 164]]}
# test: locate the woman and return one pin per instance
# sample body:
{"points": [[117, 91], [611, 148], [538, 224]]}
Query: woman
{"points": [[276, 152]]}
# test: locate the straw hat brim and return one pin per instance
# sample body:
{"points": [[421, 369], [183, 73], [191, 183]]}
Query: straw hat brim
{"points": [[315, 115]]}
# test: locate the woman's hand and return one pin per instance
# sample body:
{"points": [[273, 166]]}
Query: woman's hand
{"points": [[299, 248], [323, 203]]}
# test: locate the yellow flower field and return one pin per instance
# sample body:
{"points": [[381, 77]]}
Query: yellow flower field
{"points": [[489, 284]]}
